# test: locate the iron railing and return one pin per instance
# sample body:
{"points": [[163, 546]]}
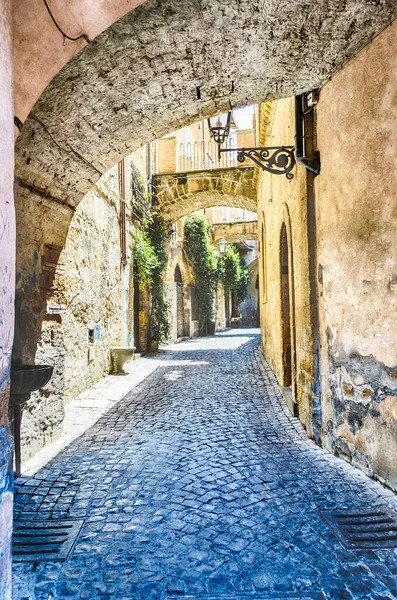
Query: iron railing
{"points": [[199, 156]]}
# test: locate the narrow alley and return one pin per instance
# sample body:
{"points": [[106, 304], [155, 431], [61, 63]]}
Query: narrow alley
{"points": [[200, 484]]}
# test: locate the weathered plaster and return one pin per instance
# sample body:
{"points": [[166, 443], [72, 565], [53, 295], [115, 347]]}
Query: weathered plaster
{"points": [[7, 278], [40, 50], [357, 210]]}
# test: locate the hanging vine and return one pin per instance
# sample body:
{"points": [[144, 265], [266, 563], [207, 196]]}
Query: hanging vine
{"points": [[150, 260], [160, 320], [204, 261], [233, 273]]}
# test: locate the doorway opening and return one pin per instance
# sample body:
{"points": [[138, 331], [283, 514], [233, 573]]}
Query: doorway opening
{"points": [[179, 302], [136, 311], [286, 309]]}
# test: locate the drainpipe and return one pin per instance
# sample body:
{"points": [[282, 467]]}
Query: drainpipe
{"points": [[312, 165]]}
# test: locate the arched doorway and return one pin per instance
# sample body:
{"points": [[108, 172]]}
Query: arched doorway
{"points": [[258, 306], [286, 308], [179, 301]]}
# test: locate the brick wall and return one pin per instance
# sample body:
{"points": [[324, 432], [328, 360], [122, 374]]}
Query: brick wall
{"points": [[166, 149]]}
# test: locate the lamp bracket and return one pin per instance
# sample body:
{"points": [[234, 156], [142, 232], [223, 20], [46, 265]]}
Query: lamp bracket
{"points": [[278, 160]]}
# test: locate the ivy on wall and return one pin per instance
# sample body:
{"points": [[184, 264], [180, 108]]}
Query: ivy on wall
{"points": [[150, 259], [203, 259], [160, 318], [144, 256], [233, 272], [209, 268]]}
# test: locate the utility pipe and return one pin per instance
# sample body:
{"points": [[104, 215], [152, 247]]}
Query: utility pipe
{"points": [[312, 165]]}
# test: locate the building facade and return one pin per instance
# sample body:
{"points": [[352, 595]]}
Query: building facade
{"points": [[327, 262]]}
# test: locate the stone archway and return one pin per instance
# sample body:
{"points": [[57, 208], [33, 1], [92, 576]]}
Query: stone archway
{"points": [[153, 71], [234, 232], [179, 194]]}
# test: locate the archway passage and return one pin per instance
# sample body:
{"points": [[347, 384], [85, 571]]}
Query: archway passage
{"points": [[179, 194], [179, 302], [286, 309], [234, 232], [154, 71]]}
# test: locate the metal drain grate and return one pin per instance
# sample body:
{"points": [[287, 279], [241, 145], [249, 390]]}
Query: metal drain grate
{"points": [[363, 528], [254, 596], [41, 541]]}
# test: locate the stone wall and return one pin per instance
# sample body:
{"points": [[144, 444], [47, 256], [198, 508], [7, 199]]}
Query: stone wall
{"points": [[74, 294], [357, 261], [220, 311], [7, 262], [283, 202], [177, 257]]}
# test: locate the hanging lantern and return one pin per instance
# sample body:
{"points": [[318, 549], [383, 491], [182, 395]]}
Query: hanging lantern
{"points": [[222, 245], [219, 127]]}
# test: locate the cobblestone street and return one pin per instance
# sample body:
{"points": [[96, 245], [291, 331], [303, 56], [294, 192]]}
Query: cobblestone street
{"points": [[200, 484]]}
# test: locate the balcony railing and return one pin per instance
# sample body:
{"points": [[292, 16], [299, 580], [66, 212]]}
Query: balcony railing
{"points": [[200, 156]]}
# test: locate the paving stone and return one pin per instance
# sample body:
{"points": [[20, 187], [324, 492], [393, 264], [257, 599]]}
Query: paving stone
{"points": [[202, 484]]}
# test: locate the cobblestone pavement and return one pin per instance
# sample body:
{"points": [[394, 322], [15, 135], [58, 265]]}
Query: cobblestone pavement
{"points": [[199, 483]]}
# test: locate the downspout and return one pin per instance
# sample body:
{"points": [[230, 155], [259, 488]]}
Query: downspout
{"points": [[314, 164], [314, 167]]}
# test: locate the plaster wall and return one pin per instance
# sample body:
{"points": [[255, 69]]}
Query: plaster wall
{"points": [[7, 262], [357, 260], [40, 50], [284, 201]]}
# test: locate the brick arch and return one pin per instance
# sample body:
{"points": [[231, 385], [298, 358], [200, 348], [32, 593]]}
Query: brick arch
{"points": [[182, 193]]}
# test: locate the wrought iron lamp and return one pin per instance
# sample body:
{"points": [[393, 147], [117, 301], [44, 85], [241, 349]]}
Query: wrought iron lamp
{"points": [[222, 245], [219, 127], [278, 160]]}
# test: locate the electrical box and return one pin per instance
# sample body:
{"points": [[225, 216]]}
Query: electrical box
{"points": [[312, 98]]}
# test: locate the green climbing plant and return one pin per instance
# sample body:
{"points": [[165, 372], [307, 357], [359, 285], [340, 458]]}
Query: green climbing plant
{"points": [[150, 260], [144, 256], [160, 318], [204, 261], [233, 273]]}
